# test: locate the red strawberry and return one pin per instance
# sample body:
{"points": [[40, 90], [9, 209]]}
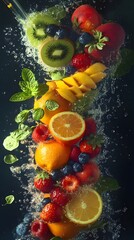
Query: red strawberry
{"points": [[40, 133], [58, 196], [75, 152], [43, 182], [90, 173], [86, 18], [109, 38], [92, 145], [40, 230], [52, 212], [90, 126], [70, 183], [81, 61]]}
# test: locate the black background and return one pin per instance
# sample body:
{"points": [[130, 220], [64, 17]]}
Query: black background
{"points": [[122, 12]]}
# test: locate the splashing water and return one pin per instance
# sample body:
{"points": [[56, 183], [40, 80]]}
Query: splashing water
{"points": [[101, 112]]}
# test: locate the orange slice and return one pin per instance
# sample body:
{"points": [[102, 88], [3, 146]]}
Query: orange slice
{"points": [[67, 127], [85, 206]]}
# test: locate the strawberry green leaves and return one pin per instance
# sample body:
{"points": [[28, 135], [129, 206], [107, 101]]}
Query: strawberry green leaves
{"points": [[29, 87]]}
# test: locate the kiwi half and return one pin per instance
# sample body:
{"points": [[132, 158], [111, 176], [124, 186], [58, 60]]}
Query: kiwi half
{"points": [[35, 27], [56, 53]]}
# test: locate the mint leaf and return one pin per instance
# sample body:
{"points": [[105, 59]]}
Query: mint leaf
{"points": [[30, 87], [126, 62], [19, 97], [27, 75], [9, 199], [10, 143], [23, 132], [52, 105], [22, 116], [10, 159], [42, 89], [106, 184], [37, 114], [82, 105]]}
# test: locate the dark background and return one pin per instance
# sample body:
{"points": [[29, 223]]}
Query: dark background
{"points": [[122, 12]]}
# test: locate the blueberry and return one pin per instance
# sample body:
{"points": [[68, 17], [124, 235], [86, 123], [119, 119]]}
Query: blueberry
{"points": [[42, 204], [70, 70], [61, 33], [21, 229], [56, 175], [52, 29], [71, 163], [77, 167], [46, 201], [27, 218], [83, 158], [85, 38], [67, 170]]}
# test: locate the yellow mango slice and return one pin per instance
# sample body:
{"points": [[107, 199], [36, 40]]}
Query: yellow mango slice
{"points": [[61, 84], [78, 93], [84, 89], [67, 94], [83, 78], [51, 85], [96, 67], [97, 77], [70, 81]]}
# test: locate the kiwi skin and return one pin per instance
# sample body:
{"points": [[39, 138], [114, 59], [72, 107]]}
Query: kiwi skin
{"points": [[35, 27], [56, 52]]}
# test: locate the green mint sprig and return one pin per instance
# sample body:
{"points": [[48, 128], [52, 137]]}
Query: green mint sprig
{"points": [[37, 114], [12, 141], [82, 105], [29, 87]]}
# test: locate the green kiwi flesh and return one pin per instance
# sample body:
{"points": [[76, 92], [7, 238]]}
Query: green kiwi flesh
{"points": [[57, 53], [35, 27]]}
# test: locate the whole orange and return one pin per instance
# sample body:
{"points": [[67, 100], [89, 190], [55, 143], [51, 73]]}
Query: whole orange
{"points": [[65, 229], [51, 155], [64, 105]]}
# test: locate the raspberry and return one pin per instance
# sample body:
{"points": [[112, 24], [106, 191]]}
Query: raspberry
{"points": [[40, 133], [70, 183], [40, 229]]}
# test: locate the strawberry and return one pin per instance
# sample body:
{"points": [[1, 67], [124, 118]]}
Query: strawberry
{"points": [[58, 196], [90, 173], [43, 182], [109, 37], [70, 183], [81, 61], [40, 133], [40, 230], [75, 152], [92, 145], [90, 126], [85, 18], [52, 212]]}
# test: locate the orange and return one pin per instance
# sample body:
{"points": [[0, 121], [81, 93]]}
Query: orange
{"points": [[65, 229], [85, 207], [64, 105], [51, 155], [67, 127]]}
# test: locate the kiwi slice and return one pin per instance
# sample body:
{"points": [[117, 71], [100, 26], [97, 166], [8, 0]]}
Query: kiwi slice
{"points": [[35, 27], [57, 53]]}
